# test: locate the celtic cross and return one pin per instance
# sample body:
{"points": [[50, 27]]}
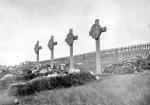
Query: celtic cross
{"points": [[51, 45], [95, 33], [36, 49], [69, 40]]}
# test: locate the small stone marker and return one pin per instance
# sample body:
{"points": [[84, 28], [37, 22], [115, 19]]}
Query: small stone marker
{"points": [[36, 49], [69, 40], [51, 44], [95, 33]]}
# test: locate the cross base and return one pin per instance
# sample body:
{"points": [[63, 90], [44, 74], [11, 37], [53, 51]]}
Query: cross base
{"points": [[72, 70]]}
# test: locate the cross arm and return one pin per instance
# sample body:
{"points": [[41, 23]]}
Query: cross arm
{"points": [[40, 47], [75, 37], [104, 29], [55, 43]]}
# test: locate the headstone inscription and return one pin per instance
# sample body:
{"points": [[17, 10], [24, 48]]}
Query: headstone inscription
{"points": [[36, 49], [95, 33], [51, 44], [69, 40]]}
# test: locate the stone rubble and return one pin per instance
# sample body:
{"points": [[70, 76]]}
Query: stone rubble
{"points": [[134, 65]]}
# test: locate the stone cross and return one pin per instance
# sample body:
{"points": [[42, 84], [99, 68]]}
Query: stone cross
{"points": [[36, 49], [51, 44], [69, 40], [95, 33]]}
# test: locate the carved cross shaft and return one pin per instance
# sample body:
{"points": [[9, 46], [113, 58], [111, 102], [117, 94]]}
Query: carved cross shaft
{"points": [[36, 49], [69, 40], [51, 44], [95, 33]]}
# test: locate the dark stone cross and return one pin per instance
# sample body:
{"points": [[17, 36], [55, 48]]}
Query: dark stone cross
{"points": [[69, 40], [96, 30], [36, 49], [51, 44], [70, 37], [95, 33]]}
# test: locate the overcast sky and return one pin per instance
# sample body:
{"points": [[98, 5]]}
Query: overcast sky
{"points": [[23, 22]]}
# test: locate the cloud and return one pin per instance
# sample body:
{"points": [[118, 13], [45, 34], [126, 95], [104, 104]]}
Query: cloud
{"points": [[23, 22]]}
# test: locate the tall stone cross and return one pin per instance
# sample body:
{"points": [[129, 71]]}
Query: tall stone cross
{"points": [[95, 33], [69, 40], [36, 49], [51, 44]]}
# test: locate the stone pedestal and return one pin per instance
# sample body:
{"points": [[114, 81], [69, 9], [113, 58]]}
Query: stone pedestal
{"points": [[36, 49], [69, 40], [51, 44], [95, 33]]}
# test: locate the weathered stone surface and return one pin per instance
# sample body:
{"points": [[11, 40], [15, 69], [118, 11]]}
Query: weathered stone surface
{"points": [[96, 30], [51, 43], [70, 37], [37, 47], [69, 40], [95, 33]]}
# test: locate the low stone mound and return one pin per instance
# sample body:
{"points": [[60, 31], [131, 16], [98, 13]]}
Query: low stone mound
{"points": [[40, 84], [133, 65]]}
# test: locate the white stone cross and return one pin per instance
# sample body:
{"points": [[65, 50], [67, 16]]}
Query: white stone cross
{"points": [[51, 44], [95, 33], [69, 40], [36, 49]]}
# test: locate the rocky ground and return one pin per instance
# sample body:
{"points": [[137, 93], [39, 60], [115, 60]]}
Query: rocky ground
{"points": [[129, 89], [127, 80], [134, 65]]}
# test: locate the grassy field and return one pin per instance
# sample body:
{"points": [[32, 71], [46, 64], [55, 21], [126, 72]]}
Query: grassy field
{"points": [[131, 89]]}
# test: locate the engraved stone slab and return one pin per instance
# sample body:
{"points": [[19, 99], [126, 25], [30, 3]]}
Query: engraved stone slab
{"points": [[70, 37], [96, 30]]}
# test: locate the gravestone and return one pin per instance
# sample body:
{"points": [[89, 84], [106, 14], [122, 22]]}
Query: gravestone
{"points": [[69, 40], [36, 49], [51, 44], [95, 33]]}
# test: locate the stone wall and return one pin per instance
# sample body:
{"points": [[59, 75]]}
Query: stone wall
{"points": [[109, 56]]}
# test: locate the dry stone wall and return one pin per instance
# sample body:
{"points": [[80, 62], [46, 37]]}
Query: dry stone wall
{"points": [[109, 56]]}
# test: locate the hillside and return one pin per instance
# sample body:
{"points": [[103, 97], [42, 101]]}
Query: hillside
{"points": [[130, 89], [124, 83]]}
